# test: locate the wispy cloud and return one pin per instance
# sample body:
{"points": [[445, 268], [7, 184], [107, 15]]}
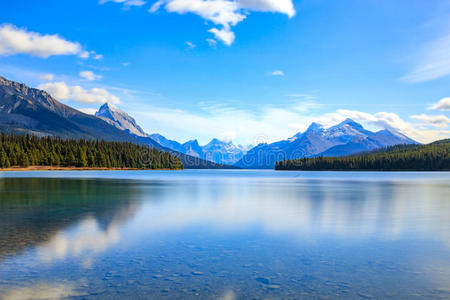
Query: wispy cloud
{"points": [[268, 123], [440, 121], [276, 73], [126, 3], [211, 42], [190, 45], [432, 62], [47, 77]]}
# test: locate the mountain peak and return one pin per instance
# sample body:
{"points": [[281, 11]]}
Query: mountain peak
{"points": [[216, 141], [350, 122], [120, 119], [315, 127], [192, 142], [107, 107]]}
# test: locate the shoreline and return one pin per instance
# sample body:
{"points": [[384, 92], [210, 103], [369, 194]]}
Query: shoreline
{"points": [[54, 168]]}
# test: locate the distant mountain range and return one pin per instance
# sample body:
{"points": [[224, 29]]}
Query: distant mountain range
{"points": [[220, 152], [217, 151], [25, 110], [346, 138]]}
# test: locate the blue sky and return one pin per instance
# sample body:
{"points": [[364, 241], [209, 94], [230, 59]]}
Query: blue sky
{"points": [[247, 70]]}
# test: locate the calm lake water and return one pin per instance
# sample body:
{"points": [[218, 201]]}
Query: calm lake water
{"points": [[224, 235]]}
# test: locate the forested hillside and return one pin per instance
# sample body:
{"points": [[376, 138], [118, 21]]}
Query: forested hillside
{"points": [[431, 157], [26, 150]]}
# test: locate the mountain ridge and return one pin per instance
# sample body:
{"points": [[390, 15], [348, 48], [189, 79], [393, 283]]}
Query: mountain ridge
{"points": [[26, 110]]}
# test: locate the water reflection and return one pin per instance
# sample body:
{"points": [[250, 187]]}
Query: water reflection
{"points": [[225, 236], [40, 212], [304, 208]]}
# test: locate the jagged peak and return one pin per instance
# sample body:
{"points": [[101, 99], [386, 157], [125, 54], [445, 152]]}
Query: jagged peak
{"points": [[350, 122], [119, 119], [109, 107], [192, 142], [216, 141], [314, 127]]}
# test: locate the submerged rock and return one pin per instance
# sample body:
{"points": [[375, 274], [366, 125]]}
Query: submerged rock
{"points": [[263, 280], [197, 273], [273, 286]]}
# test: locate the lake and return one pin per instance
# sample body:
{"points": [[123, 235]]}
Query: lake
{"points": [[230, 234]]}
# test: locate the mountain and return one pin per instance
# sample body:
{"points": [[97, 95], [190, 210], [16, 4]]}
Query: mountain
{"points": [[166, 142], [412, 157], [25, 110], [192, 148], [223, 152], [345, 138], [217, 151], [118, 118], [190, 153]]}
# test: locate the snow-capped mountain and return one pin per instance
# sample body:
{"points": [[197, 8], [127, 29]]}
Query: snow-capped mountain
{"points": [[216, 151], [226, 152], [120, 119], [345, 138]]}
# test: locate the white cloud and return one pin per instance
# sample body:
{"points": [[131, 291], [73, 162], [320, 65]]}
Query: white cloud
{"points": [[126, 3], [89, 75], [269, 123], [444, 104], [220, 12], [155, 7], [433, 61], [84, 54], [61, 91], [93, 54], [276, 73], [226, 13], [224, 35], [440, 121], [125, 64], [98, 56], [47, 77], [278, 6], [380, 120], [19, 41], [190, 45]]}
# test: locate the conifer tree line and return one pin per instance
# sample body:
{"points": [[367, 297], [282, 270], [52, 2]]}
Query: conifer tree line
{"points": [[431, 157], [26, 150]]}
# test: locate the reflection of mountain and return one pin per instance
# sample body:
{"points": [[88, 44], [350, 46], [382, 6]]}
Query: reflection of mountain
{"points": [[34, 210], [359, 207]]}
